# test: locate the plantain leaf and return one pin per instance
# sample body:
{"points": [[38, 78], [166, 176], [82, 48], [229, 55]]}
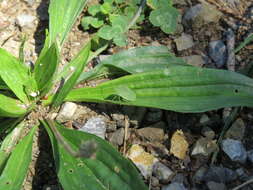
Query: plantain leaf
{"points": [[17, 165], [107, 170], [182, 89], [13, 74], [77, 65], [62, 15], [10, 107], [135, 60], [45, 68]]}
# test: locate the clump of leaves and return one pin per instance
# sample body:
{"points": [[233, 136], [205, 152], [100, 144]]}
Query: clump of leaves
{"points": [[149, 76]]}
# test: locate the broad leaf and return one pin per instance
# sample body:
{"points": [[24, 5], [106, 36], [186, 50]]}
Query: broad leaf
{"points": [[17, 165], [14, 74], [107, 170], [62, 15], [136, 60], [182, 89], [74, 69]]}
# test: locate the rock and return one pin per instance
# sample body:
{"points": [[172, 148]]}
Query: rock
{"points": [[66, 112], [250, 156], [179, 2], [184, 42], [236, 131], [30, 2], [119, 118], [204, 146], [219, 175], [96, 126], [204, 119], [162, 172], [194, 60], [200, 174], [153, 132], [25, 20], [201, 14], [154, 115], [117, 138], [242, 175], [179, 27], [174, 186], [143, 160], [208, 132], [135, 114], [179, 145], [218, 52], [235, 150], [154, 181], [216, 186]]}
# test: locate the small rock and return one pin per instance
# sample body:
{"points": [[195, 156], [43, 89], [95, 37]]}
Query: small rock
{"points": [[179, 145], [237, 130], [162, 172], [216, 186], [208, 132], [25, 20], [30, 2], [154, 132], [184, 42], [119, 118], [174, 186], [204, 119], [194, 60], [96, 126], [117, 137], [154, 181], [235, 150], [218, 52], [250, 156], [242, 175], [219, 175], [143, 160], [204, 146], [67, 112], [153, 116], [179, 2], [179, 27], [200, 175]]}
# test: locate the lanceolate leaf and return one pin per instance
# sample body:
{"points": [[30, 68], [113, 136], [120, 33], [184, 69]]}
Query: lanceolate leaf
{"points": [[10, 107], [62, 15], [182, 89], [136, 60], [75, 67], [14, 74], [106, 170], [16, 168]]}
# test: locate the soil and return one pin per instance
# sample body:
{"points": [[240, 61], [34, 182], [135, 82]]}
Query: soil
{"points": [[41, 173]]}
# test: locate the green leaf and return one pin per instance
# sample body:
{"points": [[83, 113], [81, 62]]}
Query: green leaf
{"points": [[106, 170], [107, 32], [76, 66], [86, 21], [13, 74], [45, 68], [120, 40], [244, 43], [106, 8], [16, 168], [62, 15], [96, 23], [181, 89], [94, 9]]}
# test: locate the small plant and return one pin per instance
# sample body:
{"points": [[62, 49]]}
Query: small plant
{"points": [[150, 76]]}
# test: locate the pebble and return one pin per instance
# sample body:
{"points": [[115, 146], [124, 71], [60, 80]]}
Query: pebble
{"points": [[250, 155], [242, 175], [162, 172], [117, 138], [153, 132], [154, 115], [194, 60], [204, 119], [204, 146], [237, 130], [25, 20], [218, 52], [143, 160], [96, 126], [66, 112], [208, 132], [200, 174], [185, 41], [179, 145], [174, 186], [179, 2], [216, 186], [119, 118], [235, 150]]}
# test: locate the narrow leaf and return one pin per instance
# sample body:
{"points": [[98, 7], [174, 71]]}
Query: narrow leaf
{"points": [[244, 43], [182, 89], [106, 170], [17, 166]]}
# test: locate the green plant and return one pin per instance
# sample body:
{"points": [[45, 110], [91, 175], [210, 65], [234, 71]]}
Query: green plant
{"points": [[149, 76]]}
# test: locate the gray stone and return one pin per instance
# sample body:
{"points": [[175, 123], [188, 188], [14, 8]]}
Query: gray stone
{"points": [[119, 118], [242, 175], [153, 132], [194, 60], [117, 138], [174, 186], [219, 175], [154, 116], [235, 150], [204, 119], [216, 186], [237, 130], [250, 155], [208, 132], [96, 126], [66, 112], [204, 146], [200, 175], [185, 41], [25, 20], [218, 52], [162, 172]]}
